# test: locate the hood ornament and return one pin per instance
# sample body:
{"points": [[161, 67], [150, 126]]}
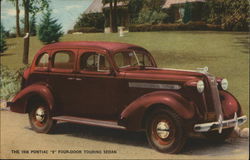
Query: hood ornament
{"points": [[203, 70]]}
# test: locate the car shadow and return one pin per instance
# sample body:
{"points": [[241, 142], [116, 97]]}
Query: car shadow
{"points": [[102, 134], [194, 146]]}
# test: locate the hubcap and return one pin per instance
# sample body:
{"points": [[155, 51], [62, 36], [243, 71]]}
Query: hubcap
{"points": [[162, 129], [40, 114]]}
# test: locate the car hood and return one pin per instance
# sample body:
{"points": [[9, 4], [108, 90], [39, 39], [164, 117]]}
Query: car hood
{"points": [[164, 74]]}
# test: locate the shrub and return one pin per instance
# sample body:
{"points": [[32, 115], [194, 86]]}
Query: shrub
{"points": [[49, 31], [10, 82]]}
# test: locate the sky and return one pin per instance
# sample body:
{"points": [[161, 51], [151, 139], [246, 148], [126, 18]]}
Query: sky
{"points": [[66, 11]]}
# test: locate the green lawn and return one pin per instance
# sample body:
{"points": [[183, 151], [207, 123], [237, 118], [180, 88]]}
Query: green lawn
{"points": [[225, 53]]}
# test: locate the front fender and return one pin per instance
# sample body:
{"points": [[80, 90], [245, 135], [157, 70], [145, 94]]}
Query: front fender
{"points": [[134, 112], [230, 105], [20, 101]]}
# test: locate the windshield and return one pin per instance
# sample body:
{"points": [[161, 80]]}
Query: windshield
{"points": [[132, 58]]}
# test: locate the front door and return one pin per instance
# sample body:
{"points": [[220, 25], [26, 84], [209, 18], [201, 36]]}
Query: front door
{"points": [[62, 80], [97, 86]]}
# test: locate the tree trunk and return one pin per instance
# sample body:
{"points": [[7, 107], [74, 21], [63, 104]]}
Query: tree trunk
{"points": [[26, 31], [17, 19], [114, 27], [111, 16]]}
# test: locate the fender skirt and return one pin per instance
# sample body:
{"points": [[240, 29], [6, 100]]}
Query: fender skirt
{"points": [[20, 101], [133, 114]]}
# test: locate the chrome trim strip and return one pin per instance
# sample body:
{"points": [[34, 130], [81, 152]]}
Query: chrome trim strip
{"points": [[154, 85], [205, 127]]}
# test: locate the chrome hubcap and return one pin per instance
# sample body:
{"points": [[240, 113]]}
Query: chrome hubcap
{"points": [[40, 114], [162, 129]]}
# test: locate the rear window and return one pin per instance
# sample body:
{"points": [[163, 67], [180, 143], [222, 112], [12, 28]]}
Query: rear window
{"points": [[42, 61]]}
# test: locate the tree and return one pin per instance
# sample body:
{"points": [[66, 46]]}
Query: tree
{"points": [[151, 12], [187, 12], [112, 14], [33, 25], [3, 45], [16, 4], [49, 31], [30, 6]]}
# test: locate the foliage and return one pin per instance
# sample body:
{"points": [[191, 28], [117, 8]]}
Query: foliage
{"points": [[3, 45], [49, 31], [134, 8], [95, 20], [10, 82], [232, 15], [187, 12], [33, 25]]}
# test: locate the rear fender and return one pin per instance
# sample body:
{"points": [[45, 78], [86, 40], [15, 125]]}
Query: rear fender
{"points": [[132, 116], [20, 102]]}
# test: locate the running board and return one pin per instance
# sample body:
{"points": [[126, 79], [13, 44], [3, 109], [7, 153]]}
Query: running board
{"points": [[92, 122]]}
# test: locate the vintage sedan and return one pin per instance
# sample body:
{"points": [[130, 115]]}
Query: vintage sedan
{"points": [[118, 85]]}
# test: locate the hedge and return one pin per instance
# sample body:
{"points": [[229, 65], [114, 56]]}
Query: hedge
{"points": [[175, 26], [86, 30]]}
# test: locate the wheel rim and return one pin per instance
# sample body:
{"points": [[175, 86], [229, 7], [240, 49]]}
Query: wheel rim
{"points": [[163, 131], [40, 117]]}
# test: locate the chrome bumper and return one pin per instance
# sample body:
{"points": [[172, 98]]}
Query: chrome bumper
{"points": [[219, 125]]}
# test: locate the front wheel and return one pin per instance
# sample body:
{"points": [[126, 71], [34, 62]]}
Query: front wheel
{"points": [[165, 131], [40, 118]]}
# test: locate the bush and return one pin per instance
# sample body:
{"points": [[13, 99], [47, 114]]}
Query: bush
{"points": [[95, 20], [10, 82], [174, 26], [49, 31]]}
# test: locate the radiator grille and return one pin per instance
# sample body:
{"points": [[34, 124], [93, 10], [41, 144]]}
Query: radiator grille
{"points": [[215, 95]]}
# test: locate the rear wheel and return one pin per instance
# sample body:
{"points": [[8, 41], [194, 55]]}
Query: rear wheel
{"points": [[40, 118], [165, 132]]}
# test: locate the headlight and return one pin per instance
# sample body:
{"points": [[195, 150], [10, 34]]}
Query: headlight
{"points": [[224, 84], [200, 86]]}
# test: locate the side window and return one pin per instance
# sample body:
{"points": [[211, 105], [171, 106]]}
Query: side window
{"points": [[92, 61], [42, 61], [63, 60]]}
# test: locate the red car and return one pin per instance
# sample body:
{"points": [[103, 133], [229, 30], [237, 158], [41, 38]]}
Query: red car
{"points": [[118, 85]]}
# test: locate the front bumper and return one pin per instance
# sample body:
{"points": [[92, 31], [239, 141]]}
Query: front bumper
{"points": [[220, 124]]}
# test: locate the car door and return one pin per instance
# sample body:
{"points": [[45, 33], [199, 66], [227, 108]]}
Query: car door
{"points": [[96, 85], [62, 79]]}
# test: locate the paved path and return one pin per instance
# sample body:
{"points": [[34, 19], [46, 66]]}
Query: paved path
{"points": [[80, 141]]}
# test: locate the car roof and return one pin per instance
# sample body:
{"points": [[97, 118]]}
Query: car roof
{"points": [[110, 46]]}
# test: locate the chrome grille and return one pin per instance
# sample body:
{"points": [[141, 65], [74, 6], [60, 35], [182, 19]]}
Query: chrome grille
{"points": [[215, 95]]}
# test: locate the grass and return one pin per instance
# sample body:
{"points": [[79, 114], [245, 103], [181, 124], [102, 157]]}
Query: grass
{"points": [[225, 53]]}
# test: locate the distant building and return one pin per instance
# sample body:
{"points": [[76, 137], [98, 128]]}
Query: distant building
{"points": [[176, 7], [122, 12]]}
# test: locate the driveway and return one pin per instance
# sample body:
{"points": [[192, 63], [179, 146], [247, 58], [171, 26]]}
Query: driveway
{"points": [[75, 141]]}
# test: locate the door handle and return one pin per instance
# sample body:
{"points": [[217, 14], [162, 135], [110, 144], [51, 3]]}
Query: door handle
{"points": [[78, 79], [70, 78]]}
